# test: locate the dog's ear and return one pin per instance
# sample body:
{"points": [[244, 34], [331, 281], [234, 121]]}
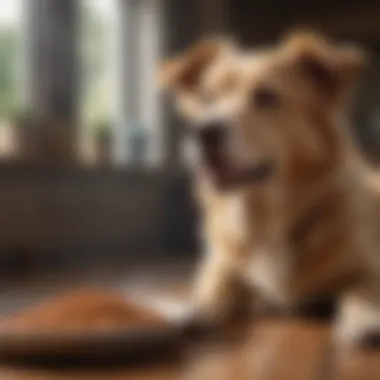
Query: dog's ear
{"points": [[184, 72], [351, 60], [332, 68]]}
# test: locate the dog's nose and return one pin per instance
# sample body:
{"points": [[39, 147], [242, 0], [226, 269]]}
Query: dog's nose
{"points": [[212, 134]]}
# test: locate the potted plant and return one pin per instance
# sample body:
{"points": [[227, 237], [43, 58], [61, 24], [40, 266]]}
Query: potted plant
{"points": [[103, 142]]}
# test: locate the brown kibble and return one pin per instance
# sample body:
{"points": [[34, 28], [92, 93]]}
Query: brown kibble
{"points": [[82, 311]]}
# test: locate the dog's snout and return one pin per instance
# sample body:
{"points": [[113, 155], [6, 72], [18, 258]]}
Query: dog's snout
{"points": [[212, 134]]}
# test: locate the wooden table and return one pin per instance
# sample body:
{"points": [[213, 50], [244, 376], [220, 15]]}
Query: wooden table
{"points": [[276, 349], [269, 350]]}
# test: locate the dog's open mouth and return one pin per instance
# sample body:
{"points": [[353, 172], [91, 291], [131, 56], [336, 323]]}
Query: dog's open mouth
{"points": [[226, 176]]}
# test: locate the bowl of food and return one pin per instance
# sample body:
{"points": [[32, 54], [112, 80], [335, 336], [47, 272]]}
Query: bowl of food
{"points": [[89, 325]]}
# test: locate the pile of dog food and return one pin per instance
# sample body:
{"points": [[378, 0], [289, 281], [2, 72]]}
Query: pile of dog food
{"points": [[82, 311]]}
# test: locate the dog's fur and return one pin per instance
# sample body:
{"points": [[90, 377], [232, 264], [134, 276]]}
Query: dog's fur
{"points": [[310, 229]]}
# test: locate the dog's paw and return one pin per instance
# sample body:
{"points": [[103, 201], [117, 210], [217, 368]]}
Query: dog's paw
{"points": [[199, 324], [211, 307], [358, 323], [219, 327]]}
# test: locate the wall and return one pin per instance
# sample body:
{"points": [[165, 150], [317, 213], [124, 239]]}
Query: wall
{"points": [[56, 217]]}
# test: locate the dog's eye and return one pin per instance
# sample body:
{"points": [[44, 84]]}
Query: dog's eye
{"points": [[265, 98]]}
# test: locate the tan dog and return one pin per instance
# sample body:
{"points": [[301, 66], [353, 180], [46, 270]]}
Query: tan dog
{"points": [[289, 206]]}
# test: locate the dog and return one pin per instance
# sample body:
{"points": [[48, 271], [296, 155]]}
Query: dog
{"points": [[290, 206]]}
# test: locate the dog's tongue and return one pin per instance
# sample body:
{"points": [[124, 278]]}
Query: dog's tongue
{"points": [[226, 176], [222, 175], [217, 168]]}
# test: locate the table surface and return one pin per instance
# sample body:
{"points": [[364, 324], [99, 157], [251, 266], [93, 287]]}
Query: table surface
{"points": [[268, 349]]}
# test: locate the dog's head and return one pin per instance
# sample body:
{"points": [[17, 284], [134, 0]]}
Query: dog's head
{"points": [[254, 115]]}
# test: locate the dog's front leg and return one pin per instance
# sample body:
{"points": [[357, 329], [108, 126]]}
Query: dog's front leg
{"points": [[359, 316], [217, 287]]}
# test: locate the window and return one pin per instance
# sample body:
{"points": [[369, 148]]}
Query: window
{"points": [[120, 49], [149, 54], [97, 84], [11, 72]]}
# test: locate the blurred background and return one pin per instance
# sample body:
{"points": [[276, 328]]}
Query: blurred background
{"points": [[90, 171], [92, 188]]}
